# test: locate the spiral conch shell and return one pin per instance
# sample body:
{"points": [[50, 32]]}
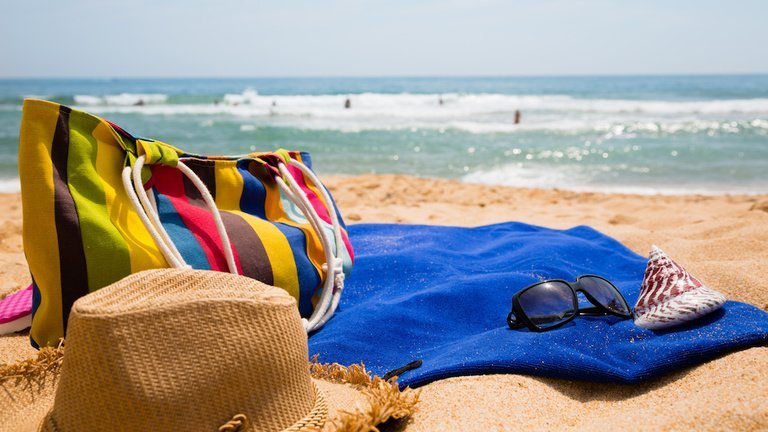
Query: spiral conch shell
{"points": [[670, 296]]}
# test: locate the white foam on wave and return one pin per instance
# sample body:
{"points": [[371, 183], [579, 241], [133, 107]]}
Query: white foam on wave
{"points": [[577, 179], [518, 175], [427, 105], [10, 185], [616, 126], [122, 99], [473, 113], [249, 96]]}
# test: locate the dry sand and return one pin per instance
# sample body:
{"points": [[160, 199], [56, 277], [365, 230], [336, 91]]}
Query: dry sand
{"points": [[723, 240]]}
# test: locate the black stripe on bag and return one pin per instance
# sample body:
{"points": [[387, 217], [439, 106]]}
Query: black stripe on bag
{"points": [[72, 265], [253, 257]]}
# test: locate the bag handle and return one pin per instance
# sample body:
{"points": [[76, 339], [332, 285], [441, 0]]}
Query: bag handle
{"points": [[333, 267], [334, 262], [150, 217]]}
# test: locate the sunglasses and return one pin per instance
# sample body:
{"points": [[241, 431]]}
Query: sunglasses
{"points": [[550, 304]]}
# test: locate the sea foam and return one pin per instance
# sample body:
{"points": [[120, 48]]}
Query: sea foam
{"points": [[122, 99], [578, 178], [478, 113], [405, 104], [10, 185]]}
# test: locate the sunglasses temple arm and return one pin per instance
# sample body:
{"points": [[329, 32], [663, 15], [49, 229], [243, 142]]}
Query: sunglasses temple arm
{"points": [[591, 311], [513, 322]]}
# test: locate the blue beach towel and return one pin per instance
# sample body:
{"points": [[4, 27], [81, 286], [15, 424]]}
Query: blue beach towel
{"points": [[441, 295]]}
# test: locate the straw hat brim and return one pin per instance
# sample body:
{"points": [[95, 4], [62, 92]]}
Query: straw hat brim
{"points": [[352, 398], [168, 370]]}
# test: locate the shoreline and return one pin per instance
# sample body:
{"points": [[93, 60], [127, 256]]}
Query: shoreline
{"points": [[11, 186], [634, 192], [719, 239]]}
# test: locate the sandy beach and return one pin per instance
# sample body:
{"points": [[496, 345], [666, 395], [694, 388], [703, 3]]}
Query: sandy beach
{"points": [[720, 239]]}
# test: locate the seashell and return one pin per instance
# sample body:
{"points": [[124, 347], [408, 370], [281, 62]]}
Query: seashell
{"points": [[16, 311], [670, 296]]}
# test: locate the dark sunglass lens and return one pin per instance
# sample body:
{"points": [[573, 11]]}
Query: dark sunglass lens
{"points": [[605, 294], [548, 304]]}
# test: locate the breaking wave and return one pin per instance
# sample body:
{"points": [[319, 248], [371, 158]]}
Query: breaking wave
{"points": [[578, 178], [473, 113], [122, 99]]}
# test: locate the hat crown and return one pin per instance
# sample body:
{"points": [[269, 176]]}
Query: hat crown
{"points": [[183, 350]]}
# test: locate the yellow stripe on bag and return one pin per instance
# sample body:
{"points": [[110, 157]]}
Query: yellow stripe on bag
{"points": [[158, 152], [104, 246], [229, 189], [38, 124], [143, 251]]}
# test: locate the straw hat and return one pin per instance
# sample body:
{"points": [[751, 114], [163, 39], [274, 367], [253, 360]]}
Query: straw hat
{"points": [[190, 350]]}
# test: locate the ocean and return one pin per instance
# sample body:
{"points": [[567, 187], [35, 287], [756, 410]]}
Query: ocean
{"points": [[644, 134]]}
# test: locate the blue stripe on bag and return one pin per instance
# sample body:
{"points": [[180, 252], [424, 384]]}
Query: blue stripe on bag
{"points": [[252, 202]]}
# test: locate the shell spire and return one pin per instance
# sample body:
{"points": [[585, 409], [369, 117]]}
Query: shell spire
{"points": [[670, 296]]}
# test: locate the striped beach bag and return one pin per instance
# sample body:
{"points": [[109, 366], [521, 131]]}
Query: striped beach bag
{"points": [[100, 204]]}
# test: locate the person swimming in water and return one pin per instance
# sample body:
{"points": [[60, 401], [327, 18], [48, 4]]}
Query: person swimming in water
{"points": [[347, 104]]}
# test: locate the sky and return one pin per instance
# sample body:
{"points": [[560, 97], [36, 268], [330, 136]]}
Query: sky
{"points": [[239, 38]]}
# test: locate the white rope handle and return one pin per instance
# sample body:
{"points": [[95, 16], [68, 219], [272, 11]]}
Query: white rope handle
{"points": [[333, 284], [167, 248], [338, 267], [334, 272], [211, 203], [150, 217]]}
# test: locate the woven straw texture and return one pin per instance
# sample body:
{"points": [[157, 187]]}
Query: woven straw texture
{"points": [[186, 350], [25, 400]]}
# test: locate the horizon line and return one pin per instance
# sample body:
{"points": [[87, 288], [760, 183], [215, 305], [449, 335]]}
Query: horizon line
{"points": [[598, 75]]}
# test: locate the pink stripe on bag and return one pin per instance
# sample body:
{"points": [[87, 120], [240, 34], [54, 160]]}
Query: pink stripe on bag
{"points": [[317, 203], [198, 221]]}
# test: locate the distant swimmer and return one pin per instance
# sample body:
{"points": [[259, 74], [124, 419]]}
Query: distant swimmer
{"points": [[139, 103], [274, 103], [440, 100], [347, 104], [517, 117]]}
